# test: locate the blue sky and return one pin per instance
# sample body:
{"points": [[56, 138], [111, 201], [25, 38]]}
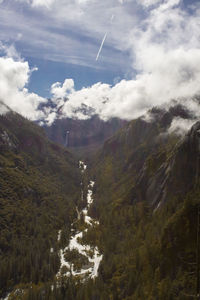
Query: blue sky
{"points": [[48, 49], [63, 48], [50, 72]]}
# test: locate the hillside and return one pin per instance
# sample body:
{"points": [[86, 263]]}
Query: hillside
{"points": [[39, 189], [146, 199], [146, 194], [124, 227]]}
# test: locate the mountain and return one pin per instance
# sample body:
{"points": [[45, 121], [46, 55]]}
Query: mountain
{"points": [[123, 227], [83, 135], [147, 195], [39, 188]]}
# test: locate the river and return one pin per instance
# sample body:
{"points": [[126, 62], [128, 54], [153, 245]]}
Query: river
{"points": [[90, 256]]}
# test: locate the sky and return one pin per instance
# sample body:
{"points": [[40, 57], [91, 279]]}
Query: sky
{"points": [[48, 48]]}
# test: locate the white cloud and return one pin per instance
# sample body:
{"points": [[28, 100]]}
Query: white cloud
{"points": [[168, 4], [164, 44], [169, 76], [50, 118], [70, 31], [61, 91], [167, 60], [9, 51], [50, 3], [46, 3], [180, 126], [147, 3], [14, 77], [163, 5]]}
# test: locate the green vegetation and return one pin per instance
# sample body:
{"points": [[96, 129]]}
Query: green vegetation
{"points": [[76, 258], [39, 188], [149, 252], [147, 194]]}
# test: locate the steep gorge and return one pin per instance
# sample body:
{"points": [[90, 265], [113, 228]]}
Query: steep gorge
{"points": [[127, 228]]}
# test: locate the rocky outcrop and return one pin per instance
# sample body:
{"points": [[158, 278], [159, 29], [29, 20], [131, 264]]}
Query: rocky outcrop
{"points": [[5, 140]]}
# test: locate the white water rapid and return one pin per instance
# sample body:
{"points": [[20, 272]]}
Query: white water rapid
{"points": [[88, 253]]}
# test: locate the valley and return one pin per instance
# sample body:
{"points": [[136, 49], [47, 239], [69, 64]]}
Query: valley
{"points": [[108, 226], [99, 149]]}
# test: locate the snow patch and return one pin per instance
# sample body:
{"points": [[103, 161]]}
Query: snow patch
{"points": [[82, 166], [59, 235], [7, 297], [92, 254]]}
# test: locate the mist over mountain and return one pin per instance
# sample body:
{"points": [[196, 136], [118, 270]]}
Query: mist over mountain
{"points": [[88, 134], [147, 199], [156, 43]]}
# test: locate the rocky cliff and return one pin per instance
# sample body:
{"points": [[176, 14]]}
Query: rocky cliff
{"points": [[83, 134]]}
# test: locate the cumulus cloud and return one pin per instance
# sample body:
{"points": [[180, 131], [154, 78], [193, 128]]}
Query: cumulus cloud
{"points": [[164, 45], [14, 77], [166, 57], [59, 90]]}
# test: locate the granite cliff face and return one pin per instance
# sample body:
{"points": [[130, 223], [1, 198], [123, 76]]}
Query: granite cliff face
{"points": [[157, 164], [166, 175], [84, 134]]}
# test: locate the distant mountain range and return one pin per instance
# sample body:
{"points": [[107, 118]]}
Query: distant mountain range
{"points": [[83, 135]]}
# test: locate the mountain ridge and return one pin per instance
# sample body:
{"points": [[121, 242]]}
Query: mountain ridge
{"points": [[146, 196]]}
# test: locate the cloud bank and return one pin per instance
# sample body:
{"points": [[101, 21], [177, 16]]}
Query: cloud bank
{"points": [[61, 91], [166, 57], [164, 45], [14, 78]]}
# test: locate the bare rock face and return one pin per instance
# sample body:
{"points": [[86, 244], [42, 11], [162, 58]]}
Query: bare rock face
{"points": [[176, 176], [76, 133], [158, 165], [5, 140]]}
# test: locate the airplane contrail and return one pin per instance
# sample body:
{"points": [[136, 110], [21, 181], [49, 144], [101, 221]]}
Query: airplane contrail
{"points": [[104, 38], [112, 18], [102, 43]]}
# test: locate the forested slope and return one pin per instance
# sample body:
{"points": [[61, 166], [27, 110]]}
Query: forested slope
{"points": [[39, 188], [146, 198]]}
